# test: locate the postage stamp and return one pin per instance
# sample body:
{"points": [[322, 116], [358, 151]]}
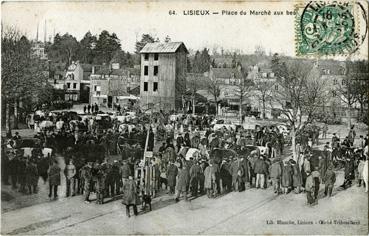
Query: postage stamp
{"points": [[335, 28]]}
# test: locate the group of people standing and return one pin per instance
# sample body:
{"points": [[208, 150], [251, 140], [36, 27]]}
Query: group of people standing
{"points": [[225, 160]]}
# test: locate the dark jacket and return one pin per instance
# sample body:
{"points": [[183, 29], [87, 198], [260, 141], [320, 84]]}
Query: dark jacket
{"points": [[130, 193], [260, 167], [54, 175], [172, 173], [275, 171], [330, 177]]}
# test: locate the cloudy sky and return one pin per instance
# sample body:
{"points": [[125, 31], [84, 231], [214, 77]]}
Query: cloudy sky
{"points": [[130, 20]]}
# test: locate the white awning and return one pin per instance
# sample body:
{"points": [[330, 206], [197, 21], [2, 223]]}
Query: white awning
{"points": [[132, 97]]}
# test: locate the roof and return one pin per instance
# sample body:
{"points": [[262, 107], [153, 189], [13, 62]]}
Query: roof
{"points": [[119, 72], [226, 73], [170, 47]]}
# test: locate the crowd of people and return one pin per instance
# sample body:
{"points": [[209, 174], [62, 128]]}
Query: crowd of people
{"points": [[152, 154]]}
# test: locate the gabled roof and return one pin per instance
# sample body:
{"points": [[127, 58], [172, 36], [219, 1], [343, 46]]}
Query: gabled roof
{"points": [[170, 47]]}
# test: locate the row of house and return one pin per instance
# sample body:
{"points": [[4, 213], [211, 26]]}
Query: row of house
{"points": [[160, 81], [101, 84]]}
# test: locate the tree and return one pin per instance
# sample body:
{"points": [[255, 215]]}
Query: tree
{"points": [[244, 87], [146, 38], [234, 60], [302, 93], [22, 74], [86, 48], [354, 87], [263, 91], [124, 59], [213, 87], [202, 61], [106, 46], [64, 49]]}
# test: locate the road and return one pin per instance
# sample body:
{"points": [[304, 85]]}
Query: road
{"points": [[235, 213]]}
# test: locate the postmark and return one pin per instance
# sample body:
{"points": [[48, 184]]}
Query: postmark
{"points": [[334, 28]]}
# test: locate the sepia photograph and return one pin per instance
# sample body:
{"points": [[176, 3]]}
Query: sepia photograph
{"points": [[176, 117]]}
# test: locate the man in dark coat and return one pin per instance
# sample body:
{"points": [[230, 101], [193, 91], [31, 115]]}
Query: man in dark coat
{"points": [[195, 172], [54, 179], [86, 175], [349, 173], [261, 171], [225, 176], [329, 179], [130, 196], [31, 177], [172, 173]]}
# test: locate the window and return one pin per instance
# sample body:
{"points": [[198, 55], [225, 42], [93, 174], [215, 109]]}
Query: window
{"points": [[155, 88], [74, 85], [68, 85], [334, 94], [156, 70], [146, 70], [98, 93], [276, 87], [335, 81], [72, 76], [343, 82], [146, 86], [156, 57], [95, 88], [146, 56]]}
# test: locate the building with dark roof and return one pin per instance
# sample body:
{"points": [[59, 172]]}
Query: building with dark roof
{"points": [[110, 83], [163, 75]]}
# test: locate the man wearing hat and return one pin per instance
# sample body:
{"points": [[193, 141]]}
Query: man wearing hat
{"points": [[329, 179], [309, 188], [260, 168], [195, 172], [86, 174]]}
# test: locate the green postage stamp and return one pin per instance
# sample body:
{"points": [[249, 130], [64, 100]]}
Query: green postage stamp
{"points": [[330, 28]]}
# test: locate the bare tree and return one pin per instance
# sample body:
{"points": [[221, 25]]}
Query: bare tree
{"points": [[243, 88], [263, 92], [354, 87], [213, 87], [22, 75], [301, 94], [194, 83]]}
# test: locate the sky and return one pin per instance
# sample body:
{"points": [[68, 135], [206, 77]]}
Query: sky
{"points": [[129, 20]]}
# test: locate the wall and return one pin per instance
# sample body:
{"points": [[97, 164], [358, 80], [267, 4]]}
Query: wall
{"points": [[181, 74], [164, 98]]}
